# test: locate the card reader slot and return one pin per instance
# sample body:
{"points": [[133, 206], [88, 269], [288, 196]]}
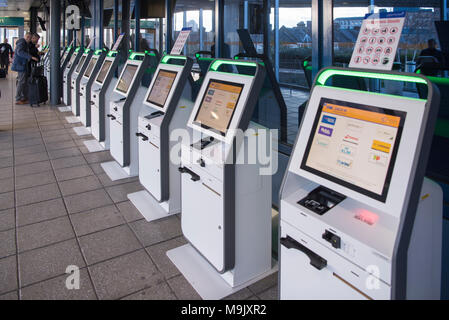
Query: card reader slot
{"points": [[194, 176], [315, 260], [154, 115]]}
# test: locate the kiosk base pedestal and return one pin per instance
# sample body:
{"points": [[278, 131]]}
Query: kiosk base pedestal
{"points": [[207, 282], [149, 207], [115, 172], [81, 131], [94, 146], [72, 119], [65, 109]]}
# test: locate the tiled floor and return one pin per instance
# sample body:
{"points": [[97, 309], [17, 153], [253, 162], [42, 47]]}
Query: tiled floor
{"points": [[58, 208]]}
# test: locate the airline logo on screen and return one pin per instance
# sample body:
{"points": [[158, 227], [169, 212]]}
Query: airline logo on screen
{"points": [[325, 131]]}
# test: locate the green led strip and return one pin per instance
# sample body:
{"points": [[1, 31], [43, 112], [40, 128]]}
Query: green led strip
{"points": [[150, 53], [112, 53], [98, 52], [77, 49], [438, 80], [133, 55], [217, 63], [325, 75], [166, 58]]}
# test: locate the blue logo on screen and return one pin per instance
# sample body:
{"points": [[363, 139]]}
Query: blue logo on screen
{"points": [[325, 131], [328, 120]]}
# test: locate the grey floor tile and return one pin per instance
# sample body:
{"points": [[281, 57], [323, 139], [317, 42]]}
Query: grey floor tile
{"points": [[44, 263], [44, 233], [87, 201], [106, 182], [73, 173], [6, 153], [270, 294], [95, 157], [6, 185], [7, 219], [264, 284], [154, 292], [68, 162], [124, 275], [29, 150], [157, 231], [182, 288], [60, 145], [158, 254], [51, 127], [120, 192], [129, 211], [34, 180], [96, 220], [96, 168], [10, 296], [6, 172], [6, 200], [6, 162], [33, 168], [40, 211], [28, 142], [58, 138], [8, 274], [64, 153], [8, 243], [56, 289], [52, 133], [243, 294], [30, 158], [37, 194], [107, 244], [79, 185]]}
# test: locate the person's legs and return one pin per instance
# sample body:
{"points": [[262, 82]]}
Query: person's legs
{"points": [[21, 94]]}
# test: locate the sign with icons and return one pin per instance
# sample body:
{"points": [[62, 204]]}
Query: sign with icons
{"points": [[378, 41], [181, 41]]}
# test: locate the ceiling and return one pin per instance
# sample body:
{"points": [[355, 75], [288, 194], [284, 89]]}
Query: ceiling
{"points": [[18, 8]]}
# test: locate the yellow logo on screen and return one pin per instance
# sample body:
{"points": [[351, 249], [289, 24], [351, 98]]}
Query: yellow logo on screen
{"points": [[381, 146], [230, 105]]}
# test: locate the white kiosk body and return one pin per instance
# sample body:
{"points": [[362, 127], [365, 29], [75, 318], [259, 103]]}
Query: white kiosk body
{"points": [[167, 107], [358, 219], [77, 75], [67, 76], [226, 201], [123, 116], [102, 93], [86, 83]]}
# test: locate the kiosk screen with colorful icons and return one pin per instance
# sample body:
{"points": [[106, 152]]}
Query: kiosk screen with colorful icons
{"points": [[218, 105], [127, 77], [104, 71], [355, 145]]}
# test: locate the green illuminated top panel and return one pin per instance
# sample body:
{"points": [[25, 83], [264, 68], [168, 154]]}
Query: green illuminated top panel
{"points": [[77, 49], [112, 53], [326, 74], [167, 57], [217, 63], [133, 55]]}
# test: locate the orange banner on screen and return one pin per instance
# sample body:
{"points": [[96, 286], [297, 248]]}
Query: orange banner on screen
{"points": [[363, 115], [381, 146], [225, 87]]}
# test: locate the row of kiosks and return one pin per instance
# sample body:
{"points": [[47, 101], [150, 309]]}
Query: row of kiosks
{"points": [[225, 197], [124, 108], [166, 108], [67, 77], [75, 80], [358, 218]]}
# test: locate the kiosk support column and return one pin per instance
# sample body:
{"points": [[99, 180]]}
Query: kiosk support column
{"points": [[55, 75], [322, 35]]}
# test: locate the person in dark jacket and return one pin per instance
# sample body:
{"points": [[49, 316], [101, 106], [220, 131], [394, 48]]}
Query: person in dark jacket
{"points": [[5, 53], [21, 59], [33, 51]]}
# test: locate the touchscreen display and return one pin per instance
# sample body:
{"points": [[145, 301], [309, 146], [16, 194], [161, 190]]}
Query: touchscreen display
{"points": [[90, 68], [104, 71], [161, 87], [69, 65], [218, 105], [80, 64], [126, 78], [355, 145]]}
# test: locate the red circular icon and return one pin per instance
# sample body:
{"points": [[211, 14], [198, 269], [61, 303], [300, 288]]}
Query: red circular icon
{"points": [[394, 30], [361, 49], [363, 40], [375, 31], [375, 61], [391, 40], [372, 40], [381, 40], [384, 30], [366, 60], [357, 59], [369, 50], [366, 30], [388, 50]]}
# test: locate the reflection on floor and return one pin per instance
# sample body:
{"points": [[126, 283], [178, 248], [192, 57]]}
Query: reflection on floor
{"points": [[58, 208]]}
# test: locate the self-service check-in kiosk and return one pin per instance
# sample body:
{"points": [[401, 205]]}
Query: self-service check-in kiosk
{"points": [[76, 79], [66, 56], [226, 204], [85, 90], [67, 77], [102, 93], [358, 218], [168, 107], [124, 112]]}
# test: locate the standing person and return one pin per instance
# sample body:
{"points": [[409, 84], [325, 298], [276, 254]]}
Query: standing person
{"points": [[6, 52], [21, 59], [33, 51]]}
